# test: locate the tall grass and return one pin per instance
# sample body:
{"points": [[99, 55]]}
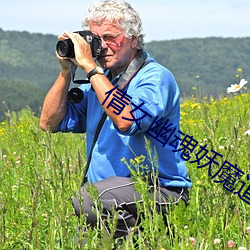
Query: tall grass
{"points": [[40, 172]]}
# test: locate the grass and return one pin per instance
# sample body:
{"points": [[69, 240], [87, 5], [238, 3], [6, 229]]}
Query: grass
{"points": [[40, 172]]}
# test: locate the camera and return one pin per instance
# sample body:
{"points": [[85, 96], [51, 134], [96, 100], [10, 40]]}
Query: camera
{"points": [[65, 48]]}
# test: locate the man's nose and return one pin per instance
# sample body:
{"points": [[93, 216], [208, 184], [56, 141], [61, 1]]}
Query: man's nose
{"points": [[104, 44]]}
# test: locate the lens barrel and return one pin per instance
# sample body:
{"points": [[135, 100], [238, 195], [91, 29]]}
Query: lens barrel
{"points": [[75, 95], [65, 48]]}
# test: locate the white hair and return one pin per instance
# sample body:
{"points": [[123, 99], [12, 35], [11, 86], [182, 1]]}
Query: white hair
{"points": [[120, 13]]}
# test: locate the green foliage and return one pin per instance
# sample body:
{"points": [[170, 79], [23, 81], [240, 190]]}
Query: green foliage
{"points": [[211, 60], [40, 172], [28, 57], [36, 184], [14, 95]]}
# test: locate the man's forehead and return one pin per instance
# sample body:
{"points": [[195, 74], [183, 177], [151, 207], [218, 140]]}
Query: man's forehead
{"points": [[104, 25]]}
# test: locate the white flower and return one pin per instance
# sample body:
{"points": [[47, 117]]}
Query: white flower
{"points": [[22, 210], [192, 240], [217, 241], [221, 147], [237, 87], [247, 132], [242, 248]]}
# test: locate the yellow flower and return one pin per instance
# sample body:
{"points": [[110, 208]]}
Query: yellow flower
{"points": [[195, 105], [132, 162], [198, 182], [240, 70], [138, 160]]}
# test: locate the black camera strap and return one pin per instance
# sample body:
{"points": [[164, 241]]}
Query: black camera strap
{"points": [[136, 64]]}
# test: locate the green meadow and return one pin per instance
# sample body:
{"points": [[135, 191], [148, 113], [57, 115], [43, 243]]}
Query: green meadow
{"points": [[40, 172]]}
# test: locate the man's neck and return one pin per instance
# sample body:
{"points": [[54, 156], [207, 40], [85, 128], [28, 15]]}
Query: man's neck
{"points": [[124, 67]]}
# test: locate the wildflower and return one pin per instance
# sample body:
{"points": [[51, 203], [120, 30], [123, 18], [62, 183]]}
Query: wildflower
{"points": [[198, 182], [242, 248], [230, 244], [240, 70], [45, 216], [237, 87], [247, 133], [123, 160], [132, 162], [248, 230], [22, 210], [137, 160], [183, 113], [14, 188], [221, 147], [195, 105], [216, 241], [192, 240]]}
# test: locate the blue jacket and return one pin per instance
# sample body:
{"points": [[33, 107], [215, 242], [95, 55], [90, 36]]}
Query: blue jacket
{"points": [[155, 89]]}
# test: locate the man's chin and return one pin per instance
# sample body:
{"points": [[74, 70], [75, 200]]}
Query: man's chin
{"points": [[105, 63]]}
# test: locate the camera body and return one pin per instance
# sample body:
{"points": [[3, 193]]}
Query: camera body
{"points": [[65, 48]]}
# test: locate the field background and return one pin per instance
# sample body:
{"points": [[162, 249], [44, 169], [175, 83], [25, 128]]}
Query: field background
{"points": [[40, 172]]}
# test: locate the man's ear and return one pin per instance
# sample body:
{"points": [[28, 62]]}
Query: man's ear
{"points": [[134, 42]]}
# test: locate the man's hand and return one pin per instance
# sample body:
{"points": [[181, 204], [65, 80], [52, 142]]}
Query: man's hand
{"points": [[83, 54], [66, 63]]}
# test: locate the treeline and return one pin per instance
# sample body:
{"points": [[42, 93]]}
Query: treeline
{"points": [[16, 95], [209, 64], [28, 66]]}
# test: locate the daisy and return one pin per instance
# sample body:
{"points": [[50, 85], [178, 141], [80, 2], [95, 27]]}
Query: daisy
{"points": [[237, 87]]}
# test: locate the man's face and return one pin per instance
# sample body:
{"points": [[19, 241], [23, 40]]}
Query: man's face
{"points": [[118, 50]]}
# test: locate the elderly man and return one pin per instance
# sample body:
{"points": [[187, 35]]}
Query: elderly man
{"points": [[140, 99]]}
